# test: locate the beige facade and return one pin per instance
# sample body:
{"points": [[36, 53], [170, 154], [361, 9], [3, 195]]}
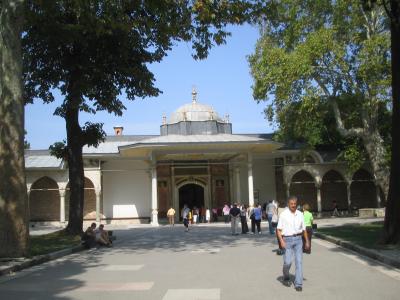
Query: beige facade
{"points": [[196, 161]]}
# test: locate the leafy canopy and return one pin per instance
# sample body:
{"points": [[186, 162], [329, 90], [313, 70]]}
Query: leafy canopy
{"points": [[92, 50], [320, 62]]}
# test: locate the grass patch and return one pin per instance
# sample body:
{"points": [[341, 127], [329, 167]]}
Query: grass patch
{"points": [[366, 235], [47, 243]]}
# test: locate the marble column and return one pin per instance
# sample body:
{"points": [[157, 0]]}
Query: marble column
{"points": [[98, 198], [154, 196], [62, 206], [250, 179], [319, 200], [349, 195], [237, 184], [378, 197]]}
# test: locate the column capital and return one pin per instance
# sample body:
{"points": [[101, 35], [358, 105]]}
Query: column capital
{"points": [[62, 192]]}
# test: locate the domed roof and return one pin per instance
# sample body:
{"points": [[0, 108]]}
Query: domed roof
{"points": [[194, 112]]}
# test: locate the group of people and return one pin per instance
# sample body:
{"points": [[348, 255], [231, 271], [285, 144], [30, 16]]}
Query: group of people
{"points": [[242, 213], [194, 216], [96, 237]]}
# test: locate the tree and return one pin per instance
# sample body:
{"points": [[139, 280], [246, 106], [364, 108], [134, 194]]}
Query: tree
{"points": [[330, 54], [392, 216], [14, 232], [93, 50]]}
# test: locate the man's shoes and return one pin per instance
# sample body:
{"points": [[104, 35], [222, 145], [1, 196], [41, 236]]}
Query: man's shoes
{"points": [[299, 289], [286, 282]]}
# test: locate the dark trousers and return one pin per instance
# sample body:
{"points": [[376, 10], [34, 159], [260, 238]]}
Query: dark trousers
{"points": [[258, 224], [245, 228], [309, 235], [186, 222], [226, 218], [88, 241], [255, 223]]}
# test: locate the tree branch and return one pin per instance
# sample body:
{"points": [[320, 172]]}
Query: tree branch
{"points": [[336, 112], [357, 132]]}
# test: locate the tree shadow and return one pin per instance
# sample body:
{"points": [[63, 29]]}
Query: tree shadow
{"points": [[52, 280], [175, 239]]}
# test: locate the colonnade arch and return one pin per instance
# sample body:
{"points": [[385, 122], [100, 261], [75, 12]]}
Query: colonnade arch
{"points": [[363, 190], [89, 204], [304, 188], [44, 200], [333, 188], [317, 187]]}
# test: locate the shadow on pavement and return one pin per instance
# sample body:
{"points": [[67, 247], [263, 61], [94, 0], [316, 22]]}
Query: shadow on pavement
{"points": [[47, 281], [175, 239]]}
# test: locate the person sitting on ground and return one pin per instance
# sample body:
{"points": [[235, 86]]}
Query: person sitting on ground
{"points": [[102, 237], [335, 211], [89, 236]]}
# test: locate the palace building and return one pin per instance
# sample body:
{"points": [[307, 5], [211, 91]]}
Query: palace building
{"points": [[196, 160]]}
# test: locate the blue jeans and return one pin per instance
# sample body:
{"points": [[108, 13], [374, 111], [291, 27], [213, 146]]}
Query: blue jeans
{"points": [[271, 228], [294, 247]]}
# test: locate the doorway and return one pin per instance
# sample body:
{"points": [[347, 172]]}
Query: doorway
{"points": [[192, 195]]}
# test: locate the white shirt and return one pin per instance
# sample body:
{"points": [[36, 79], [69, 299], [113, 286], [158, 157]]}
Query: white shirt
{"points": [[291, 223], [185, 213]]}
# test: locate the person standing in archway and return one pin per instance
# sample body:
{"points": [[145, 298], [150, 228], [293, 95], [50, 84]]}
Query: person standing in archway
{"points": [[171, 216]]}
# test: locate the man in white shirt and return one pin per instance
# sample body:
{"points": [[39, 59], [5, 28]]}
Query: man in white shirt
{"points": [[291, 228]]}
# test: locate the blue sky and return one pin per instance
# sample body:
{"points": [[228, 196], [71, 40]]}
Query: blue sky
{"points": [[222, 80]]}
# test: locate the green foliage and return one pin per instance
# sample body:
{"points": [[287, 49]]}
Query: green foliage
{"points": [[93, 50], [59, 150], [315, 54], [354, 155], [27, 145], [93, 133]]}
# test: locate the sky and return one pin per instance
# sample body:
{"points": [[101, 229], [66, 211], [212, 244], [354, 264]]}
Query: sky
{"points": [[222, 80]]}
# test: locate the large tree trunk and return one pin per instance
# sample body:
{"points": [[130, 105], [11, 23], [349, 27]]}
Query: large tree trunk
{"points": [[374, 146], [75, 166], [14, 229], [392, 217]]}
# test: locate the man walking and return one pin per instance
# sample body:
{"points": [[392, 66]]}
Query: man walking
{"points": [[291, 228], [234, 213], [185, 217], [171, 216]]}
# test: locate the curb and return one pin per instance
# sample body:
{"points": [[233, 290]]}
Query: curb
{"points": [[364, 251], [40, 259]]}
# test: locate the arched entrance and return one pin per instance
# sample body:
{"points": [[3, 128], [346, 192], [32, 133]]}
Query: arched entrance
{"points": [[363, 190], [191, 194], [303, 187], [89, 204], [44, 200], [333, 188]]}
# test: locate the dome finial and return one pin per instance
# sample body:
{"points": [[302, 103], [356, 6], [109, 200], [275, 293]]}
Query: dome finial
{"points": [[194, 95]]}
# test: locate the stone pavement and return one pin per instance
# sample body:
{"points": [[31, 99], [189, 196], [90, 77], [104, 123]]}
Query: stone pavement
{"points": [[206, 263]]}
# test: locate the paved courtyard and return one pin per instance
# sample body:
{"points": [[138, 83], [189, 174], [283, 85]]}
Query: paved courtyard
{"points": [[207, 263]]}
